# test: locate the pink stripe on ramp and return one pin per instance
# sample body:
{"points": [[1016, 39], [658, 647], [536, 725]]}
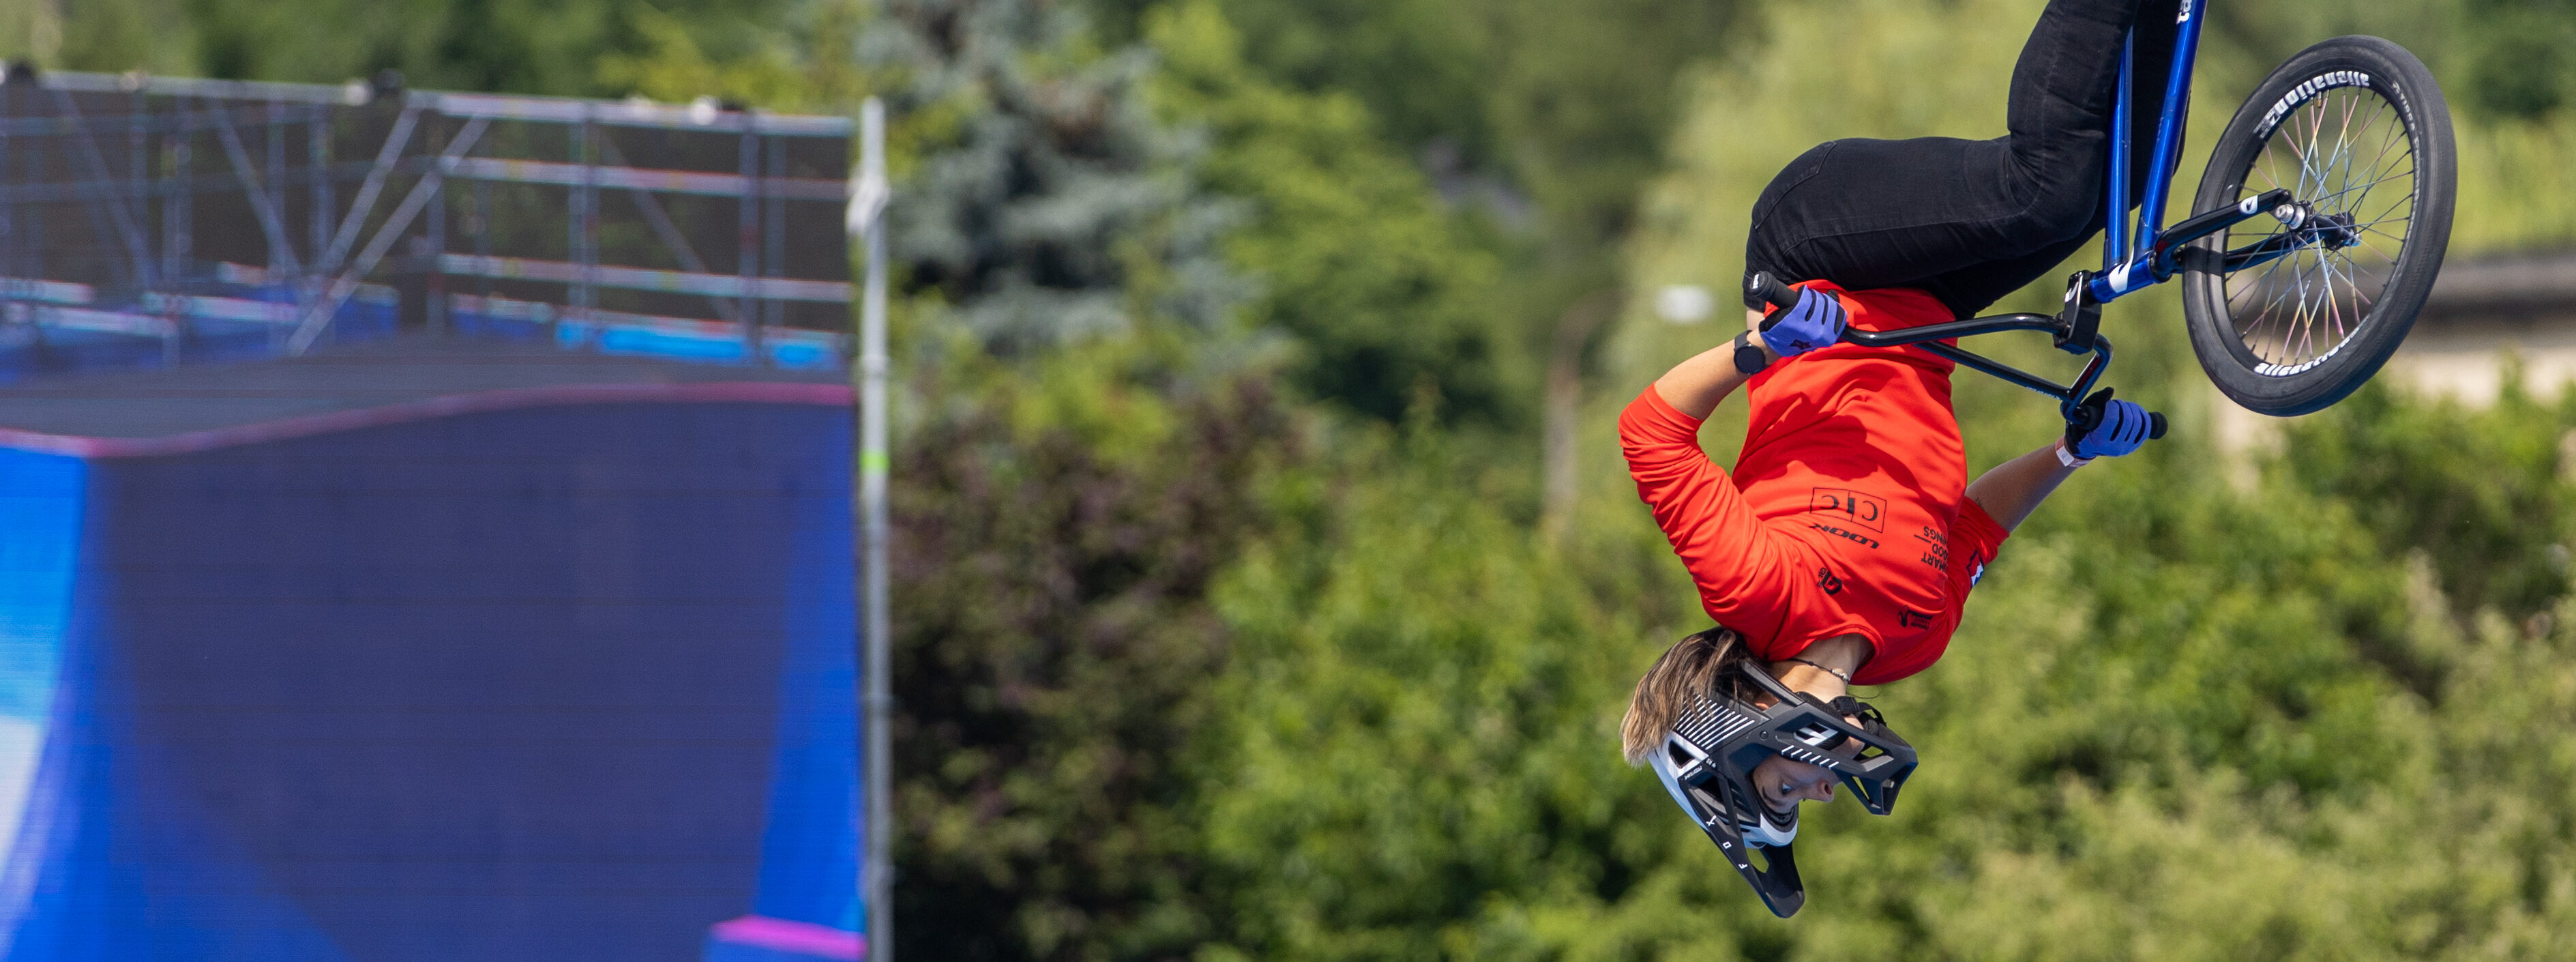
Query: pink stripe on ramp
{"points": [[804, 938]]}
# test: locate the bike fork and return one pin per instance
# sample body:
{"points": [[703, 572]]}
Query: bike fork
{"points": [[2158, 264]]}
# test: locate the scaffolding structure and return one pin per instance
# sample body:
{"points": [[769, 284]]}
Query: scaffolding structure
{"points": [[153, 220]]}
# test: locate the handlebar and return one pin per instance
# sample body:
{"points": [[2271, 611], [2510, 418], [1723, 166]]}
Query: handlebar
{"points": [[2084, 423], [1761, 288]]}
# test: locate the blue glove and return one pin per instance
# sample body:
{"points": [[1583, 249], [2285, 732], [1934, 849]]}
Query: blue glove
{"points": [[2103, 427], [1815, 322]]}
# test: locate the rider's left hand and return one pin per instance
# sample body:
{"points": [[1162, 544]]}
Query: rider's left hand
{"points": [[1816, 321], [2103, 427]]}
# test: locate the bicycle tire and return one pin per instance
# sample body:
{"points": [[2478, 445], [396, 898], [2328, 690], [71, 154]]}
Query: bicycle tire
{"points": [[2353, 286]]}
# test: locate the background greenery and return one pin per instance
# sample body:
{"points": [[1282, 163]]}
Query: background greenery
{"points": [[1230, 628]]}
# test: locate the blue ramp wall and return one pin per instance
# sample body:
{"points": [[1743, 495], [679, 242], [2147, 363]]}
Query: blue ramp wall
{"points": [[546, 683]]}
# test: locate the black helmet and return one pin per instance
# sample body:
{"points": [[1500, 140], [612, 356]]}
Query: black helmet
{"points": [[1707, 761]]}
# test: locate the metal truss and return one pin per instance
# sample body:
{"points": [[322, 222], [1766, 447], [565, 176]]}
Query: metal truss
{"points": [[499, 216]]}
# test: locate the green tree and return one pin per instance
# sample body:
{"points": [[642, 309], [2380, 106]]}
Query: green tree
{"points": [[1049, 202], [2477, 492], [1057, 531], [1383, 294], [501, 45], [1418, 758]]}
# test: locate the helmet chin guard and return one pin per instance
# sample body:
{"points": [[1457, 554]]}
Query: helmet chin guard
{"points": [[1706, 763]]}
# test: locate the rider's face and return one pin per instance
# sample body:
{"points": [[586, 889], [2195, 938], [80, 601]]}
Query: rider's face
{"points": [[1784, 783]]}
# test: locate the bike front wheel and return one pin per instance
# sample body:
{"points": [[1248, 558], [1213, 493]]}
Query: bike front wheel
{"points": [[2291, 312]]}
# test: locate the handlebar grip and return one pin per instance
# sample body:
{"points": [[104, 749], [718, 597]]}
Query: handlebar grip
{"points": [[2155, 425], [1762, 288]]}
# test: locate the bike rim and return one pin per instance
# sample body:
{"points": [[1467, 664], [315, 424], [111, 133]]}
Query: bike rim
{"points": [[2346, 153]]}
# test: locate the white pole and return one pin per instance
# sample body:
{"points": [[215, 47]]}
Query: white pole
{"points": [[867, 215]]}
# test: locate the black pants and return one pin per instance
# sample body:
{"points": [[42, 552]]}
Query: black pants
{"points": [[1973, 220]]}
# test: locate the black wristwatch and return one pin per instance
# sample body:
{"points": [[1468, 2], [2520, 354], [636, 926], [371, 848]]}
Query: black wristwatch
{"points": [[1749, 357]]}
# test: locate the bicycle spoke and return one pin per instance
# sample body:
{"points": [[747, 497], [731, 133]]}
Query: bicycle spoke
{"points": [[2269, 308], [2304, 153], [2328, 309], [2355, 136], [2373, 185], [2385, 142], [2269, 271], [2396, 135], [2317, 145], [2365, 186], [2403, 202], [2299, 305], [2320, 304], [2320, 199], [2384, 257], [2284, 309], [2263, 283], [2366, 189], [2307, 158], [2399, 219], [2343, 151], [2334, 304], [2294, 319], [2351, 269]]}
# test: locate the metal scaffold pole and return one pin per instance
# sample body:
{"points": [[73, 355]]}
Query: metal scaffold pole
{"points": [[867, 217]]}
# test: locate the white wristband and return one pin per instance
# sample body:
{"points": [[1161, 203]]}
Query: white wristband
{"points": [[2068, 458]]}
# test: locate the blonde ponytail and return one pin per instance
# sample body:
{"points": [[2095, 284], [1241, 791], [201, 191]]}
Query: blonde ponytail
{"points": [[1687, 671]]}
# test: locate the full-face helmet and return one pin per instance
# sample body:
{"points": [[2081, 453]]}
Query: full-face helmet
{"points": [[1706, 761]]}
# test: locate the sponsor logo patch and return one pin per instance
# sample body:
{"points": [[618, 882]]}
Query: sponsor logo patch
{"points": [[1845, 535], [1825, 579], [1863, 510], [1936, 548]]}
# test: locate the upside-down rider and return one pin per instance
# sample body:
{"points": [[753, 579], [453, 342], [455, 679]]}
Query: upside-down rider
{"points": [[1842, 547]]}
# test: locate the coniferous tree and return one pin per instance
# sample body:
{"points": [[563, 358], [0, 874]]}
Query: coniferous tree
{"points": [[1048, 202]]}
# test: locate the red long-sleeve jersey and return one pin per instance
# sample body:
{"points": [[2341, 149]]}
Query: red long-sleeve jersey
{"points": [[1848, 510]]}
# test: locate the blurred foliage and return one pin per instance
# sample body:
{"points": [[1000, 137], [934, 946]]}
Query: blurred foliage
{"points": [[1418, 66], [2484, 503], [2522, 70], [1387, 295], [1048, 202], [1568, 104], [1055, 542], [553, 47], [806, 58], [1538, 122]]}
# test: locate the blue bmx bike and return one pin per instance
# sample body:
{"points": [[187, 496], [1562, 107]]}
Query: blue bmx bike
{"points": [[2320, 223]]}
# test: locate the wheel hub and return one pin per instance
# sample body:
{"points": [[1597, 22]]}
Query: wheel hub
{"points": [[2334, 231], [2330, 231]]}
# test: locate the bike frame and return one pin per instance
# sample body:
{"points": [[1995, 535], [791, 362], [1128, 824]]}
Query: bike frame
{"points": [[2130, 262]]}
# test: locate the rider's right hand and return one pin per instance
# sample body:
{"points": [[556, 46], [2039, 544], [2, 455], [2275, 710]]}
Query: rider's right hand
{"points": [[1815, 321], [2104, 427]]}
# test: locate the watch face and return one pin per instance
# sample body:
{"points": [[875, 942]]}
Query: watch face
{"points": [[1750, 359]]}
